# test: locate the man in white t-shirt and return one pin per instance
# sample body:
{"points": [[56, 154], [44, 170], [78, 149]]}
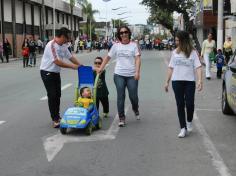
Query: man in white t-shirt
{"points": [[55, 56]]}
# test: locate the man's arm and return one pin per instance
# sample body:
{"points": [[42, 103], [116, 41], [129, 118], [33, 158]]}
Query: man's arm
{"points": [[65, 65], [74, 60]]}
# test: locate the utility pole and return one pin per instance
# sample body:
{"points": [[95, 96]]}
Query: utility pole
{"points": [[220, 24], [13, 3], [43, 21]]}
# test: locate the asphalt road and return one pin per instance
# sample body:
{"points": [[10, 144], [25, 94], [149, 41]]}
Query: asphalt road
{"points": [[29, 146]]}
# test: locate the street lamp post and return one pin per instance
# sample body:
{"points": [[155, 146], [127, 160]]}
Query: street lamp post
{"points": [[121, 7], [106, 18], [54, 20]]}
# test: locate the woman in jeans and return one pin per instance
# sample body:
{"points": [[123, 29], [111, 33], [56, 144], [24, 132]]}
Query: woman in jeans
{"points": [[127, 71], [182, 69]]}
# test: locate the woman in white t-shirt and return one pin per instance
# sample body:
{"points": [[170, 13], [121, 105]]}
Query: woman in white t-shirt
{"points": [[208, 47], [127, 71], [183, 66]]}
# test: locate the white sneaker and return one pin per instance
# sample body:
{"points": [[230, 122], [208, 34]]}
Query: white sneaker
{"points": [[137, 117], [121, 123], [189, 126], [182, 133]]}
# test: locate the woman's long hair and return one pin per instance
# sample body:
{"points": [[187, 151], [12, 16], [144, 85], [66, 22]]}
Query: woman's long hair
{"points": [[185, 43]]}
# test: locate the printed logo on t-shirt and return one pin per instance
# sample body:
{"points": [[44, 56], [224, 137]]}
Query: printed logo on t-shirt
{"points": [[181, 61], [124, 53]]}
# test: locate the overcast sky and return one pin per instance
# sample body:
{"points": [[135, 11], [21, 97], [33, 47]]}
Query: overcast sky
{"points": [[137, 14]]}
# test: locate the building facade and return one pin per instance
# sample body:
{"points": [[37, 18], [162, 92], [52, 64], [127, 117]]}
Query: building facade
{"points": [[25, 18]]}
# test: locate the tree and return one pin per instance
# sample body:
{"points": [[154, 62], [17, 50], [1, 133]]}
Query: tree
{"points": [[87, 9], [167, 7], [118, 22], [72, 4], [162, 16]]}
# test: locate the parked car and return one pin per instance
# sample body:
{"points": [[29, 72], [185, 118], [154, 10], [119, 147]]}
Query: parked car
{"points": [[229, 87]]}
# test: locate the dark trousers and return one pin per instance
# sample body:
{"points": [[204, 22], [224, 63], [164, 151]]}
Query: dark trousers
{"points": [[7, 57], [184, 95], [52, 83], [227, 56], [219, 72], [105, 104], [121, 83], [1, 57], [25, 61]]}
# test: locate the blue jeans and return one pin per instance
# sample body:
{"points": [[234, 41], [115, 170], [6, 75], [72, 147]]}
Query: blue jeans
{"points": [[121, 83], [184, 95], [32, 58]]}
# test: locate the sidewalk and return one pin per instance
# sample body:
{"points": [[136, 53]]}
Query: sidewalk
{"points": [[11, 59]]}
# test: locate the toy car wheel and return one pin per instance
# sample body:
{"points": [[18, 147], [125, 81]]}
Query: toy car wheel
{"points": [[99, 125], [63, 130], [224, 104], [89, 128]]}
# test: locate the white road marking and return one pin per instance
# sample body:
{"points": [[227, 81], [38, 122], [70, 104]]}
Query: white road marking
{"points": [[202, 109], [2, 122], [63, 88], [54, 143], [217, 160]]}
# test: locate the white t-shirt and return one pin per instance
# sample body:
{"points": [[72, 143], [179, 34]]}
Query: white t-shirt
{"points": [[183, 67], [52, 52], [125, 58]]}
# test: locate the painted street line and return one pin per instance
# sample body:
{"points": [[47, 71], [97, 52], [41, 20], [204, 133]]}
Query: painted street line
{"points": [[2, 122], [202, 109], [63, 88], [54, 144], [217, 160]]}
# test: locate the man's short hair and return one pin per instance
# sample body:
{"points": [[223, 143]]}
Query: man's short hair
{"points": [[63, 32]]}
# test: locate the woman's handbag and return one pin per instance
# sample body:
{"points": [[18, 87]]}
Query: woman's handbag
{"points": [[25, 52]]}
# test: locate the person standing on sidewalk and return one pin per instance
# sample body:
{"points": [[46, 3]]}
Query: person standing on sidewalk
{"points": [[183, 64], [6, 49], [32, 52], [54, 56], [208, 47], [228, 51], [127, 71], [1, 51], [25, 53]]}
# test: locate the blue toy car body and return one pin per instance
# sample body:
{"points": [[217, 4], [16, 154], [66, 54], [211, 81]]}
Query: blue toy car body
{"points": [[79, 117]]}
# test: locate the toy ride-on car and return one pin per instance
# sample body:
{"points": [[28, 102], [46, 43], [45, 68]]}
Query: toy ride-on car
{"points": [[79, 117]]}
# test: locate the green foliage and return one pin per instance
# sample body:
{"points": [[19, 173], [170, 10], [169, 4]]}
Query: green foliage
{"points": [[87, 9], [72, 3], [118, 23], [162, 10]]}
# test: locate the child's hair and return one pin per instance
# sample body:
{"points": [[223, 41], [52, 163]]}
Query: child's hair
{"points": [[219, 50], [100, 58], [82, 90]]}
